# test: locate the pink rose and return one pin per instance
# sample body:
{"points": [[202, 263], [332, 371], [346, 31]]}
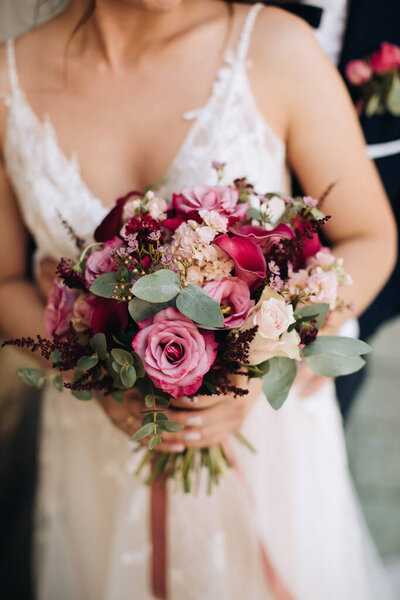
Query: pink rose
{"points": [[101, 261], [81, 313], [386, 58], [358, 72], [233, 295], [220, 198], [59, 309], [175, 354]]}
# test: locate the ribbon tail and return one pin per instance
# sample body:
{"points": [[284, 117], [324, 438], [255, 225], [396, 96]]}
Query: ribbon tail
{"points": [[275, 583], [158, 521]]}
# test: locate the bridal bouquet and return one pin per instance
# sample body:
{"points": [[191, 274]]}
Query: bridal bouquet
{"points": [[178, 299]]}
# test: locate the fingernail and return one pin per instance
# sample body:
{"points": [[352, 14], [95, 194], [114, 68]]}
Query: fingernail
{"points": [[192, 436], [176, 448], [189, 400], [194, 421]]}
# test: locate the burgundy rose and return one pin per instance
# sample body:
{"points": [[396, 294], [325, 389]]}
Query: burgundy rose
{"points": [[233, 295], [108, 316], [59, 309], [176, 355], [386, 58]]}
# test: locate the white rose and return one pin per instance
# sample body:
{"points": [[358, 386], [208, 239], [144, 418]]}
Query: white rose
{"points": [[273, 317]]}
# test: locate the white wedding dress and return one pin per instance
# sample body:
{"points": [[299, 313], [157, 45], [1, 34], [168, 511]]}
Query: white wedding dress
{"points": [[93, 535]]}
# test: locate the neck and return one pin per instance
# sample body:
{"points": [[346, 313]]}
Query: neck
{"points": [[122, 32]]}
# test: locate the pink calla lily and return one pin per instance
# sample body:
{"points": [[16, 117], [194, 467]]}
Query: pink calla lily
{"points": [[249, 260], [261, 236]]}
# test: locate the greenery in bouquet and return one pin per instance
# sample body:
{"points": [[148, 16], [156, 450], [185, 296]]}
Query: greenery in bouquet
{"points": [[178, 299]]}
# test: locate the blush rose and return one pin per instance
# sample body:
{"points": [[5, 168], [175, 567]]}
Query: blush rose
{"points": [[233, 295], [176, 355], [386, 58], [101, 261], [273, 317], [358, 72], [220, 198]]}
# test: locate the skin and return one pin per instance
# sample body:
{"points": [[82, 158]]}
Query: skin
{"points": [[140, 53]]}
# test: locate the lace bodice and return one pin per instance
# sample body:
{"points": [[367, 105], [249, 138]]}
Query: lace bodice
{"points": [[228, 128]]}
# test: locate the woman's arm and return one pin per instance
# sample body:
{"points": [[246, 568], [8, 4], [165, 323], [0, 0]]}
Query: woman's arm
{"points": [[325, 145], [21, 305]]}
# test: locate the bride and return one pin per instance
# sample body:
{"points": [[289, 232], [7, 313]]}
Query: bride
{"points": [[113, 95]]}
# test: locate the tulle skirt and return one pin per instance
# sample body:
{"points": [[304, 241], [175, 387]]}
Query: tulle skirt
{"points": [[93, 518]]}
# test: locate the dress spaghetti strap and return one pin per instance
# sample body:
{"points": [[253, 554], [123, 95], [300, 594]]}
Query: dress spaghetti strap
{"points": [[12, 73], [247, 29]]}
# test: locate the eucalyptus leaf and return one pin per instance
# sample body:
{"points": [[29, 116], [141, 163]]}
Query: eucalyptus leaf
{"points": [[123, 273], [153, 441], [32, 377], [334, 365], [199, 307], [122, 357], [104, 284], [332, 344], [149, 400], [258, 370], [160, 416], [148, 419], [372, 105], [170, 426], [393, 97], [138, 364], [87, 362], [99, 344], [278, 381], [128, 376], [118, 395], [143, 432], [157, 287], [140, 310], [319, 311], [58, 383], [116, 366], [82, 394], [55, 356]]}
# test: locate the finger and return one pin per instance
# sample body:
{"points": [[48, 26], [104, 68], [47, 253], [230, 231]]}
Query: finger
{"points": [[197, 402]]}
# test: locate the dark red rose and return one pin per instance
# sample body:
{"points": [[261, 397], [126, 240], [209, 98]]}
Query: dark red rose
{"points": [[112, 222], [108, 316]]}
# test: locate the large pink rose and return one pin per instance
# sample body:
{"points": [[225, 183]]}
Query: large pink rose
{"points": [[101, 261], [59, 308], [386, 58], [358, 72], [175, 354], [220, 198], [233, 295]]}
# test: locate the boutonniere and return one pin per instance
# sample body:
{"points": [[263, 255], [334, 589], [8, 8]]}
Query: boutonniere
{"points": [[377, 81]]}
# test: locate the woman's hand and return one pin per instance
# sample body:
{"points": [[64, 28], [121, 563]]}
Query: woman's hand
{"points": [[46, 276], [207, 420]]}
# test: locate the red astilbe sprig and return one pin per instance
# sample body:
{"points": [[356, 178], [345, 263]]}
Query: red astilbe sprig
{"points": [[69, 346], [233, 355], [145, 229], [69, 276]]}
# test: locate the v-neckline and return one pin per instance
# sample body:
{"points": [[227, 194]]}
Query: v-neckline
{"points": [[70, 161]]}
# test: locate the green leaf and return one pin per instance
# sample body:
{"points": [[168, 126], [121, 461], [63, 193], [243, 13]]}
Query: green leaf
{"points": [[122, 357], [104, 284], [140, 310], [138, 364], [118, 395], [393, 96], [32, 377], [153, 441], [142, 432], [372, 105], [157, 287], [82, 394], [334, 365], [87, 362], [332, 344], [278, 381], [148, 400], [55, 356], [58, 383], [253, 213], [123, 273], [99, 344], [160, 416], [170, 426], [116, 367], [320, 309], [258, 370], [199, 306], [128, 376]]}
